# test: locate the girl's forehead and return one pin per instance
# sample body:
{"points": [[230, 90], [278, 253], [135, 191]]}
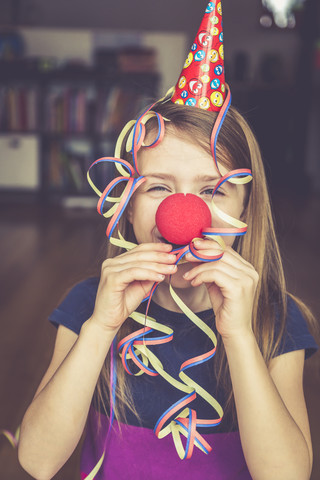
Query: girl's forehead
{"points": [[176, 153]]}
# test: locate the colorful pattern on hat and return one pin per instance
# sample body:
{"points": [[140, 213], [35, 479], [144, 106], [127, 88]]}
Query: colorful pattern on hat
{"points": [[202, 80]]}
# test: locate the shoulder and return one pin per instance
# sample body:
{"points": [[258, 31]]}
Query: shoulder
{"points": [[77, 305], [297, 335]]}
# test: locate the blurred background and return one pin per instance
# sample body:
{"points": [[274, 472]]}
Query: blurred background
{"points": [[71, 74]]}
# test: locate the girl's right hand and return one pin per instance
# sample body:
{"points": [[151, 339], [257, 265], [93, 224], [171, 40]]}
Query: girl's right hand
{"points": [[125, 280]]}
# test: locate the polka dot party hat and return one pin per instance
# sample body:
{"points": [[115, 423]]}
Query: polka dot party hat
{"points": [[202, 80]]}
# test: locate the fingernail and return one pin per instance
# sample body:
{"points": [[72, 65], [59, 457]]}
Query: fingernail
{"points": [[172, 267]]}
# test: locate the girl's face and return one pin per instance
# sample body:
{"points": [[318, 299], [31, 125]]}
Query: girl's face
{"points": [[177, 165]]}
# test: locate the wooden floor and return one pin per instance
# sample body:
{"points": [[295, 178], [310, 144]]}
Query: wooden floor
{"points": [[43, 252]]}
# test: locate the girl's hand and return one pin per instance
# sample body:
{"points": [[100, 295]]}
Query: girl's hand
{"points": [[125, 280], [231, 283]]}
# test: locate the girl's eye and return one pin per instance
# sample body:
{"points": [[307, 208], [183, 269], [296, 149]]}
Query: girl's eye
{"points": [[158, 188], [209, 191]]}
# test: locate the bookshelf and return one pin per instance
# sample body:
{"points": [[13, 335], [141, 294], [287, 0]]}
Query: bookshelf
{"points": [[75, 113]]}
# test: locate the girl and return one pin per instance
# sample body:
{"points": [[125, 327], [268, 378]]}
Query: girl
{"points": [[263, 339]]}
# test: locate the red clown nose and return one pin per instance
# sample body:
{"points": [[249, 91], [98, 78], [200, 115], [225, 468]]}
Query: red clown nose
{"points": [[180, 218]]}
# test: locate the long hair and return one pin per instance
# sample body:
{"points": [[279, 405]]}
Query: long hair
{"points": [[236, 148]]}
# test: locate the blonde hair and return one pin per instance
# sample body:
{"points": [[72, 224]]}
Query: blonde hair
{"points": [[236, 148]]}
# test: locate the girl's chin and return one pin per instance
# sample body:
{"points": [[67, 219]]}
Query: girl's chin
{"points": [[178, 282]]}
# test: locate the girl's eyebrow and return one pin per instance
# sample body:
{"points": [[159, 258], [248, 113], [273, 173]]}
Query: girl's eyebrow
{"points": [[198, 178], [162, 176], [207, 178]]}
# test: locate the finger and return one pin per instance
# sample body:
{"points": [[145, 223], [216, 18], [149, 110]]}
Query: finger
{"points": [[204, 256], [220, 278], [156, 246], [229, 265], [208, 269], [235, 260], [206, 248], [230, 251], [147, 255], [210, 248], [154, 266], [227, 279], [120, 280]]}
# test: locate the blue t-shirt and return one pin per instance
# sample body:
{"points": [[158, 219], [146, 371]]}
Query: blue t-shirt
{"points": [[153, 395], [78, 306]]}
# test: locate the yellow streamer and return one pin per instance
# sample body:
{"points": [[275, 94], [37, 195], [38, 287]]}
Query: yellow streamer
{"points": [[227, 218], [12, 438]]}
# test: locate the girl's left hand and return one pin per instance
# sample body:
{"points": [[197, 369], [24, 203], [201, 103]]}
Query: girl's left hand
{"points": [[231, 283]]}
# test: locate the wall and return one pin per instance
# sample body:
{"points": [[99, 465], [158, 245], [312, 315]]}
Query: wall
{"points": [[241, 22], [64, 44]]}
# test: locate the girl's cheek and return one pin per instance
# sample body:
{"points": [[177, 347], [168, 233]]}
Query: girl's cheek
{"points": [[217, 221], [229, 241], [231, 208]]}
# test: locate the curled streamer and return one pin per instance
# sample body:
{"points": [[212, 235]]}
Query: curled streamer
{"points": [[13, 438], [174, 420], [135, 132]]}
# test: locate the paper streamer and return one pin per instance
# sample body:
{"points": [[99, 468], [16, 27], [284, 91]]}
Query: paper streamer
{"points": [[135, 347], [13, 438]]}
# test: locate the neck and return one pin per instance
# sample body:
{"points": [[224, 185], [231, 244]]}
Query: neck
{"points": [[197, 299]]}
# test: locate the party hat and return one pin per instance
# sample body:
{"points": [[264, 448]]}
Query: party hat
{"points": [[202, 80]]}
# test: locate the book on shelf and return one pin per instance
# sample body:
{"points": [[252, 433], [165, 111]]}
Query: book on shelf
{"points": [[66, 110], [68, 162], [67, 165], [116, 108], [19, 109]]}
